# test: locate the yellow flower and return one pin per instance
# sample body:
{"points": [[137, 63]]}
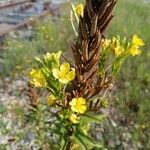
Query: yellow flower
{"points": [[73, 118], [137, 41], [105, 43], [37, 78], [78, 105], [51, 100], [118, 50], [64, 75], [79, 9], [134, 50]]}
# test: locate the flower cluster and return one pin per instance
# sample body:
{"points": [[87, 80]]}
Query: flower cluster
{"points": [[52, 69], [79, 106], [122, 46], [49, 73], [63, 74], [136, 43], [55, 77], [121, 49]]}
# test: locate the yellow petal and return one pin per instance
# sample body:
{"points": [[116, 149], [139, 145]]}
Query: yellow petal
{"points": [[78, 105], [82, 109], [33, 72], [65, 67], [42, 82], [70, 75], [36, 83], [73, 102], [134, 50], [137, 41], [73, 108], [38, 78], [56, 73], [82, 100], [63, 80]]}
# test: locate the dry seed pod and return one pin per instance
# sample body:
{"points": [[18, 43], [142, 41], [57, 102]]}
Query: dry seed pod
{"points": [[86, 51]]}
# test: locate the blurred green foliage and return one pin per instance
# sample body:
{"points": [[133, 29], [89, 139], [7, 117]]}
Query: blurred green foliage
{"points": [[47, 35], [3, 109], [132, 97]]}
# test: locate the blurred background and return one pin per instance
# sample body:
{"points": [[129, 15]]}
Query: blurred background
{"points": [[31, 28]]}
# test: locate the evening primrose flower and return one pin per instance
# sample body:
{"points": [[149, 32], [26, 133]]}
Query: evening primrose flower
{"points": [[78, 105], [79, 9], [134, 50], [38, 78], [64, 74], [73, 118], [51, 100], [137, 41]]}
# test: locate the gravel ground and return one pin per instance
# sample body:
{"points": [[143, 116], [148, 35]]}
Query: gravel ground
{"points": [[116, 129]]}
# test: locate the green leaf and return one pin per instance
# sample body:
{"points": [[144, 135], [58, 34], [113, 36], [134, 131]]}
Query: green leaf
{"points": [[80, 141], [87, 139], [64, 143], [91, 118], [64, 137], [38, 60]]}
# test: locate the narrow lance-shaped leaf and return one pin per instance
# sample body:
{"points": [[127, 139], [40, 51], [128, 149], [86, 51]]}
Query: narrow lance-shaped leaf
{"points": [[87, 139], [90, 118], [80, 141]]}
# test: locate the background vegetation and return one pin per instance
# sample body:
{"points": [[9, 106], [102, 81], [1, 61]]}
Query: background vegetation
{"points": [[128, 124], [133, 90]]}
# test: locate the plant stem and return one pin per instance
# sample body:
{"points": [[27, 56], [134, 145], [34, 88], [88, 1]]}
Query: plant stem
{"points": [[69, 141], [68, 145]]}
